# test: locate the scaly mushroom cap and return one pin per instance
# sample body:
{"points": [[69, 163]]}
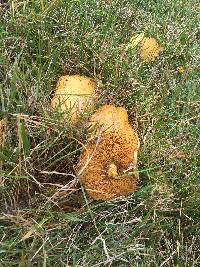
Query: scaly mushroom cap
{"points": [[149, 49], [109, 118], [74, 93], [107, 159]]}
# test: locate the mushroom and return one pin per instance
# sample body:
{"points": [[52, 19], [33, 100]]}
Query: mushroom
{"points": [[74, 94], [108, 163], [149, 49], [109, 118]]}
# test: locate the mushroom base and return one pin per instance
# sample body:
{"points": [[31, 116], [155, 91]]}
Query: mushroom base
{"points": [[114, 149]]}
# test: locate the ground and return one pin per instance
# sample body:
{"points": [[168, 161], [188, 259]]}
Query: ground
{"points": [[46, 219]]}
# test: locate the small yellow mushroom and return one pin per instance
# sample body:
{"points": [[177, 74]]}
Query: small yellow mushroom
{"points": [[112, 170], [180, 70], [149, 49]]}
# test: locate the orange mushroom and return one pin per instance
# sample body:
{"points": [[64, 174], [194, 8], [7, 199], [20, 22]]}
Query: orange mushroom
{"points": [[108, 163]]}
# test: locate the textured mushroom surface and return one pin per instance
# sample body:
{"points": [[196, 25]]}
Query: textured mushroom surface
{"points": [[109, 118], [75, 94], [149, 49], [109, 159]]}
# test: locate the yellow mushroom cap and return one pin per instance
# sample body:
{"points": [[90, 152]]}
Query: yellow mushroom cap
{"points": [[105, 162], [74, 94], [149, 49], [109, 118]]}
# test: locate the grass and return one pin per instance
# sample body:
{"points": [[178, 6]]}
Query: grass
{"points": [[44, 224]]}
